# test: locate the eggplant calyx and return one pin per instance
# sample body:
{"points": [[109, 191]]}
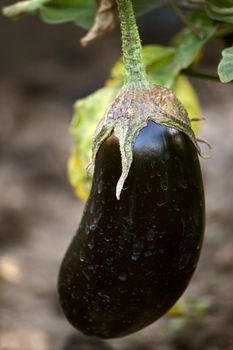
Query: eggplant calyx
{"points": [[131, 110]]}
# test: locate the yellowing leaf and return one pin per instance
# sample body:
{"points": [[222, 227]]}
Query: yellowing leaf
{"points": [[78, 177], [87, 113], [187, 95]]}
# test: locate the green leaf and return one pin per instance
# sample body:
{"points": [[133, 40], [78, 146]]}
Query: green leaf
{"points": [[81, 12], [188, 46], [220, 10], [225, 68]]}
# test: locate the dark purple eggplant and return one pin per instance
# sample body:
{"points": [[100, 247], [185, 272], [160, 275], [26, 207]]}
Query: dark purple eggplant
{"points": [[132, 258]]}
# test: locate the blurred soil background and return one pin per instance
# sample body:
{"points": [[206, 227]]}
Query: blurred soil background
{"points": [[43, 70]]}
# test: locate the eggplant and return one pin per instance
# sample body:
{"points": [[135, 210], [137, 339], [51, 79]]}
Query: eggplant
{"points": [[131, 259]]}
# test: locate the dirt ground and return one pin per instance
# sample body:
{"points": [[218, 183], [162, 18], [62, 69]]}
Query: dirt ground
{"points": [[39, 212]]}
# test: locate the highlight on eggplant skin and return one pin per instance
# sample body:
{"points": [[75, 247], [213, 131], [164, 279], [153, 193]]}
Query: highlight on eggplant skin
{"points": [[131, 259]]}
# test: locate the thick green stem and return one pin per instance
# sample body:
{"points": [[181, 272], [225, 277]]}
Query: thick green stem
{"points": [[131, 45]]}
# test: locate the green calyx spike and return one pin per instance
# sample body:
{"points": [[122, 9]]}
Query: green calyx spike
{"points": [[138, 101]]}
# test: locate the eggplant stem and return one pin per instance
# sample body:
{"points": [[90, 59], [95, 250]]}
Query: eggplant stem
{"points": [[134, 66]]}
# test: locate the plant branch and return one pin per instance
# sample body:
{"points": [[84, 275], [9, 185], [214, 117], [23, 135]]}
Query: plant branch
{"points": [[224, 31], [197, 6], [185, 20], [201, 75]]}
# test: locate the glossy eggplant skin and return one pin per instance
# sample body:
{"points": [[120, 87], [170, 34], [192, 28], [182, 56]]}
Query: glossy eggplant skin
{"points": [[132, 258]]}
